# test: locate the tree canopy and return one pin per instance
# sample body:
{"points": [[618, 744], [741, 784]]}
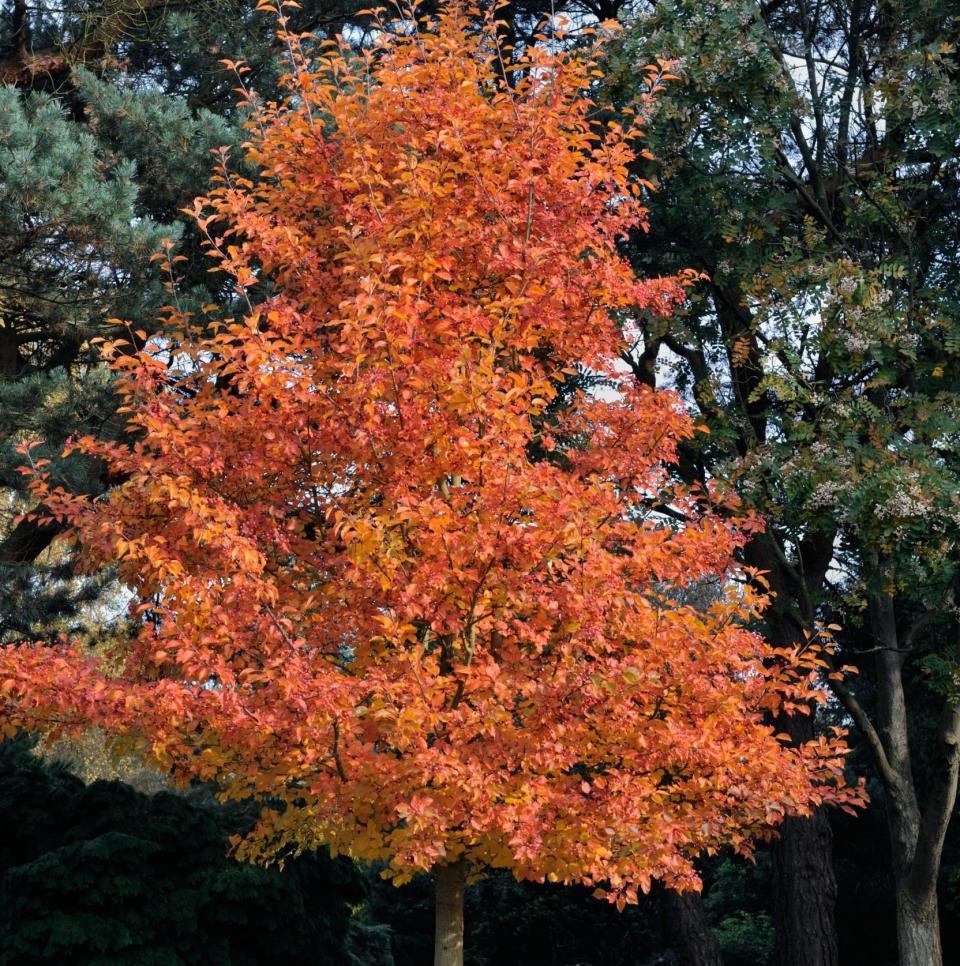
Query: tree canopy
{"points": [[372, 601]]}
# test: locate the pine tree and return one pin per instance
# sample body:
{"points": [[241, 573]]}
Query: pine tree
{"points": [[94, 170], [104, 874]]}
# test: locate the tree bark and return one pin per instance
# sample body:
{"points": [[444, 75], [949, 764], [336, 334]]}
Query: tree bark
{"points": [[448, 943], [917, 829], [918, 928], [688, 931], [805, 893], [804, 884], [916, 836]]}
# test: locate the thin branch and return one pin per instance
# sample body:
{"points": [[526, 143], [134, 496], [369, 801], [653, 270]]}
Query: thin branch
{"points": [[338, 761], [888, 774]]}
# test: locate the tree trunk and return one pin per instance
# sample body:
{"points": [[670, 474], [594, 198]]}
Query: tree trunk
{"points": [[688, 930], [917, 829], [9, 350], [804, 884], [918, 928], [448, 944], [804, 893]]}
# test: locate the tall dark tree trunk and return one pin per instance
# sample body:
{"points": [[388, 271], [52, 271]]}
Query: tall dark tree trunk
{"points": [[805, 893], [688, 931], [918, 927], [917, 829], [448, 943], [804, 884], [916, 832]]}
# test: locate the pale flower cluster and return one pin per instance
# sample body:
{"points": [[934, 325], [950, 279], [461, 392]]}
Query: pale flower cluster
{"points": [[821, 450], [825, 494], [909, 340], [906, 500], [857, 341], [944, 97]]}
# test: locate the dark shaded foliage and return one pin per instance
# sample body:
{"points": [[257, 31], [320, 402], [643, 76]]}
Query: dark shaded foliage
{"points": [[103, 874]]}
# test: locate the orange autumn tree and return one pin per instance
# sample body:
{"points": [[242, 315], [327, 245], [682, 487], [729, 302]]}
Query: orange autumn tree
{"points": [[405, 569]]}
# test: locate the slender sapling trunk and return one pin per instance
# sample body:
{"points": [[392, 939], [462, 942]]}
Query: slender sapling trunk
{"points": [[451, 883]]}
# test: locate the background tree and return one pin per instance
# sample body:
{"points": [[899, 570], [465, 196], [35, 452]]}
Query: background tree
{"points": [[104, 874], [110, 112], [96, 163], [808, 165], [373, 604]]}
